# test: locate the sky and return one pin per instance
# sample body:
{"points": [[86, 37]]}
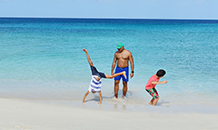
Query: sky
{"points": [[143, 9]]}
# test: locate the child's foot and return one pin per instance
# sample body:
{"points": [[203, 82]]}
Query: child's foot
{"points": [[99, 103], [84, 50], [84, 101], [124, 74]]}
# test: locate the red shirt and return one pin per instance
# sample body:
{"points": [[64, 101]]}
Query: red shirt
{"points": [[149, 85]]}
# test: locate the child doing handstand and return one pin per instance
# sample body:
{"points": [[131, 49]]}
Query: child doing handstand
{"points": [[95, 84]]}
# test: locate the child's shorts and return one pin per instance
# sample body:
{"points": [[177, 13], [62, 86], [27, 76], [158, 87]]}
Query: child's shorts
{"points": [[153, 92]]}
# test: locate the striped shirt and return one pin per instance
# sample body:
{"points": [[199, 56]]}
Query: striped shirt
{"points": [[95, 85]]}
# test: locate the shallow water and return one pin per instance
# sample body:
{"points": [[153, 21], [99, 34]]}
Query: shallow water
{"points": [[43, 58]]}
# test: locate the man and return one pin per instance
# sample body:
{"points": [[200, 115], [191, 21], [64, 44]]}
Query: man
{"points": [[121, 59]]}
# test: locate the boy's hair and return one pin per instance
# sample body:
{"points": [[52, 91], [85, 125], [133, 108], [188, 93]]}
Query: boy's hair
{"points": [[161, 72]]}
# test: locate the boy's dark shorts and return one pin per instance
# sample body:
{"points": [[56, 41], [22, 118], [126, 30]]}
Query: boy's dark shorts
{"points": [[153, 92], [95, 72]]}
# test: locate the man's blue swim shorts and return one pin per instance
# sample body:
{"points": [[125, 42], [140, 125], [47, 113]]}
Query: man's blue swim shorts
{"points": [[118, 70]]}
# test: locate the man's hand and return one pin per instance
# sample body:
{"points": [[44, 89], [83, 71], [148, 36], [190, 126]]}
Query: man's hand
{"points": [[131, 75]]}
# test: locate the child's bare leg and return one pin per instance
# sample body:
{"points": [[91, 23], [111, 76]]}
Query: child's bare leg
{"points": [[100, 96], [115, 75], [155, 102], [124, 74], [87, 93], [151, 102], [88, 58]]}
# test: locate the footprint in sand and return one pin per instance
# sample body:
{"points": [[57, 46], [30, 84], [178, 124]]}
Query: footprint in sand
{"points": [[22, 127], [2, 128]]}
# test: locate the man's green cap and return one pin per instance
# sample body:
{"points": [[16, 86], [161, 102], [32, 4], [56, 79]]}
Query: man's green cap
{"points": [[119, 45]]}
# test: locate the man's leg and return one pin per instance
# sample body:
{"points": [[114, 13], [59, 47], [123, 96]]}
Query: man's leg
{"points": [[116, 87], [124, 88]]}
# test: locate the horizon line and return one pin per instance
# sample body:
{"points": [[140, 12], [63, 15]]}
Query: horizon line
{"points": [[112, 18]]}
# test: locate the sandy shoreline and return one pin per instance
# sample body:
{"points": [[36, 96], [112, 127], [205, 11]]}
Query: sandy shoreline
{"points": [[16, 114]]}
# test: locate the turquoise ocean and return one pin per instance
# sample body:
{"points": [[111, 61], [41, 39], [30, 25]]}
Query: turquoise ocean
{"points": [[42, 58]]}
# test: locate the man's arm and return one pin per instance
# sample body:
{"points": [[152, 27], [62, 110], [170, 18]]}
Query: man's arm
{"points": [[132, 65], [88, 58], [113, 64]]}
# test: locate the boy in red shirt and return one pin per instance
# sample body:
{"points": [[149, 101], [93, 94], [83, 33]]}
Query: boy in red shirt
{"points": [[150, 86]]}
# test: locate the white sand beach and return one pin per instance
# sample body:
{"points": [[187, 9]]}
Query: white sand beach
{"points": [[17, 114]]}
